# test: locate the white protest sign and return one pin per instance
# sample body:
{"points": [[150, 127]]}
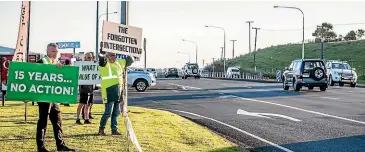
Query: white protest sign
{"points": [[122, 39], [88, 72]]}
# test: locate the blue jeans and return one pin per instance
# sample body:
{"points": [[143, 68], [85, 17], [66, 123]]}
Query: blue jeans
{"points": [[111, 109]]}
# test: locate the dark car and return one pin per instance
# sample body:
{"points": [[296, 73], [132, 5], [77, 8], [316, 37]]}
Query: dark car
{"points": [[305, 73], [172, 72]]}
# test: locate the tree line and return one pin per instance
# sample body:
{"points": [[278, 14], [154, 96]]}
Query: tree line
{"points": [[326, 32]]}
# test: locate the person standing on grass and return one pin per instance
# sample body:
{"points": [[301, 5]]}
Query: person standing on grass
{"points": [[86, 97], [51, 110], [111, 71]]}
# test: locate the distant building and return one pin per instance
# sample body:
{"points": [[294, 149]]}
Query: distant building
{"points": [[10, 51]]}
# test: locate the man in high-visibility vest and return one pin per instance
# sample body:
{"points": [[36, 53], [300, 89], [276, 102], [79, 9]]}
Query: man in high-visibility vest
{"points": [[51, 110], [111, 71]]}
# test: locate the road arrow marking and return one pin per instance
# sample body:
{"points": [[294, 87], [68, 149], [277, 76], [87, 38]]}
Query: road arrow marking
{"points": [[264, 115]]}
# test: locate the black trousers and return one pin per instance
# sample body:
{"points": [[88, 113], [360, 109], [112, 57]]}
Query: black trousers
{"points": [[52, 111]]}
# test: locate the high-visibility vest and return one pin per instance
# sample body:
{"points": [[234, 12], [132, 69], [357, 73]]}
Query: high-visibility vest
{"points": [[47, 60], [110, 75]]}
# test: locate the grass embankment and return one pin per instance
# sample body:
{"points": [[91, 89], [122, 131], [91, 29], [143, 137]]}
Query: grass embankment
{"points": [[277, 57], [157, 131]]}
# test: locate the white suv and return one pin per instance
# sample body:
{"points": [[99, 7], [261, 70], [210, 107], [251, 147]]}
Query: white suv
{"points": [[191, 70], [341, 72], [233, 72]]}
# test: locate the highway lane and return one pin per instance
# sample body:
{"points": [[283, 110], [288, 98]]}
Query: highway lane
{"points": [[306, 121]]}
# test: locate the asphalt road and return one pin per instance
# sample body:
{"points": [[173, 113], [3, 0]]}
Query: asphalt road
{"points": [[264, 117]]}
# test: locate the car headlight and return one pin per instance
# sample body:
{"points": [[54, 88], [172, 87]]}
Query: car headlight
{"points": [[151, 75]]}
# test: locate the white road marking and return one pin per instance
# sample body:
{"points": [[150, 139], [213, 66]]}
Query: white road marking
{"points": [[227, 96], [175, 91], [300, 109], [330, 98], [235, 128], [184, 87], [242, 112]]}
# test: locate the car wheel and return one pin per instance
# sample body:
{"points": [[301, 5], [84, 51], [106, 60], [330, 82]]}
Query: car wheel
{"points": [[341, 84], [330, 81], [141, 85], [295, 86], [285, 87], [353, 85], [310, 88], [323, 88]]}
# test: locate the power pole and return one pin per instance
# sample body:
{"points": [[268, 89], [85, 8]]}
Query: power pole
{"points": [[254, 53], [203, 62], [322, 40], [233, 48], [213, 65], [249, 36], [222, 53]]}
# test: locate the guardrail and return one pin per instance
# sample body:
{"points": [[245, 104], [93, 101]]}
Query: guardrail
{"points": [[242, 77]]}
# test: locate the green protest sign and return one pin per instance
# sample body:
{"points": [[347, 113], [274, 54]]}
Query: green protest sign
{"points": [[42, 83]]}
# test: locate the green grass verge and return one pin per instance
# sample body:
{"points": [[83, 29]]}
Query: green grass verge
{"points": [[157, 131], [277, 57]]}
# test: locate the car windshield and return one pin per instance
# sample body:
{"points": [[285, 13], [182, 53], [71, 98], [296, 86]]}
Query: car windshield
{"points": [[341, 66], [172, 69], [151, 70], [235, 70], [309, 65]]}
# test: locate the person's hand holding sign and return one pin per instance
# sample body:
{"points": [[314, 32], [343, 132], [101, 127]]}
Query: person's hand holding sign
{"points": [[59, 65]]}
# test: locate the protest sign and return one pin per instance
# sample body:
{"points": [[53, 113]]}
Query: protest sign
{"points": [[88, 72], [122, 39], [42, 83], [23, 33]]}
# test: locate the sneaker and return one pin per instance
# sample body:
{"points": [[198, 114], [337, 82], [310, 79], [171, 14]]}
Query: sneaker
{"points": [[116, 133], [78, 122], [102, 133], [87, 122]]}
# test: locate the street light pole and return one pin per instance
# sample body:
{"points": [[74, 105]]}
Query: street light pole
{"points": [[97, 28], [233, 48], [196, 49], [224, 46], [254, 53], [302, 27], [249, 36], [107, 11]]}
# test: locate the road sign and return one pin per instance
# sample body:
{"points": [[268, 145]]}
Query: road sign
{"points": [[264, 115], [68, 45]]}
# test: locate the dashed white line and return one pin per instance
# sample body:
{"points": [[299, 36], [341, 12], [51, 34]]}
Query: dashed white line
{"points": [[330, 98], [235, 128]]}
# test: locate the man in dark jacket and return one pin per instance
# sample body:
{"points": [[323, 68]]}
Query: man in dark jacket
{"points": [[51, 110]]}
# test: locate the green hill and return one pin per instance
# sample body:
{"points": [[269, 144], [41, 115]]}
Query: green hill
{"points": [[273, 58]]}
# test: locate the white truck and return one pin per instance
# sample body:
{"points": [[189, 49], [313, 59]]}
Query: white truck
{"points": [[233, 72], [340, 72]]}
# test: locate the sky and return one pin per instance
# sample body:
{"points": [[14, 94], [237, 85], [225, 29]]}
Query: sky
{"points": [[166, 23]]}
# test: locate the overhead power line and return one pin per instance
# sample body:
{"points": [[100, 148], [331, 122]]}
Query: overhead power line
{"points": [[309, 27]]}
